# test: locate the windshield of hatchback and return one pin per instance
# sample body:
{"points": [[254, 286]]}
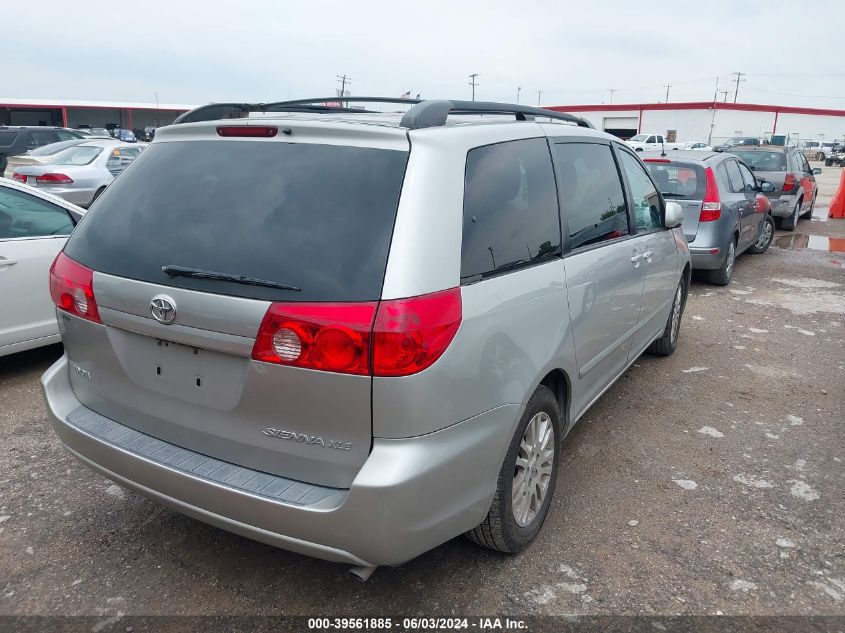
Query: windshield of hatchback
{"points": [[762, 160], [78, 155], [317, 217], [678, 180], [639, 138]]}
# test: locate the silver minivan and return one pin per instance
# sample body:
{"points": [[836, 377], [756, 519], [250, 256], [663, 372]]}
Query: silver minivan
{"points": [[358, 335]]}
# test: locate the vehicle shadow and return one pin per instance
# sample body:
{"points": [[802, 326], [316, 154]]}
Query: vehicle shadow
{"points": [[39, 358]]}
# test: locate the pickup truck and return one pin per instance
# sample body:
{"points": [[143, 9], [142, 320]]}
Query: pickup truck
{"points": [[642, 142]]}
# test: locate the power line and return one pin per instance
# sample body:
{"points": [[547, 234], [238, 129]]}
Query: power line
{"points": [[344, 81], [739, 78], [793, 94], [473, 83]]}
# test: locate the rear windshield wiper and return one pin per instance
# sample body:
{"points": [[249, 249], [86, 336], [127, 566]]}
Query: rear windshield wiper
{"points": [[196, 273]]}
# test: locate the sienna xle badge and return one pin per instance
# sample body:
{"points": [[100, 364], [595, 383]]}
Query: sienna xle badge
{"points": [[357, 335]]}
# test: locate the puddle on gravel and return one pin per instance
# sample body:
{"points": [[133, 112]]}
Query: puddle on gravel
{"points": [[801, 241]]}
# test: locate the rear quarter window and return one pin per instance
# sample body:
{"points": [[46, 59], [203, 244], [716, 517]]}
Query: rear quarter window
{"points": [[7, 138], [511, 215], [317, 217]]}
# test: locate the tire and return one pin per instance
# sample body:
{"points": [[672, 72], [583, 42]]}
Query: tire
{"points": [[789, 224], [828, 163], [820, 156], [767, 235], [722, 276], [808, 214], [500, 529], [666, 344]]}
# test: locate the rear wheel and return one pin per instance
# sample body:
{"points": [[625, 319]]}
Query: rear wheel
{"points": [[666, 344], [767, 234], [722, 276], [789, 224], [828, 162], [527, 479]]}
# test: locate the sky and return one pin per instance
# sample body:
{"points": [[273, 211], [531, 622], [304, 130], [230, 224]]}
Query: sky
{"points": [[554, 53]]}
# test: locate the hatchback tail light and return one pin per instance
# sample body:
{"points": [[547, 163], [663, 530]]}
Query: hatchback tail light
{"points": [[72, 288], [789, 182], [53, 179], [711, 206], [389, 338]]}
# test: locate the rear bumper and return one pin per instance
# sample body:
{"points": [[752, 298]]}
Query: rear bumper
{"points": [[703, 258], [409, 496], [782, 207]]}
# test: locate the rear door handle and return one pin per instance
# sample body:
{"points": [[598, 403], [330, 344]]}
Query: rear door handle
{"points": [[7, 262]]}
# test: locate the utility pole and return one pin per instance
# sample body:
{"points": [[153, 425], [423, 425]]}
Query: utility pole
{"points": [[725, 93], [518, 90], [612, 90], [473, 83], [539, 94], [716, 91], [738, 79], [344, 81], [667, 86]]}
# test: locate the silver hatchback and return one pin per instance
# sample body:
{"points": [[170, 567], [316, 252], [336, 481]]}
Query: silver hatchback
{"points": [[357, 335]]}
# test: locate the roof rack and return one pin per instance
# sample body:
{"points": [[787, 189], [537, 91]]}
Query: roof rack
{"points": [[422, 114]]}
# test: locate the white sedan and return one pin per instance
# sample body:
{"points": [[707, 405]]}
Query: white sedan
{"points": [[34, 227], [79, 174]]}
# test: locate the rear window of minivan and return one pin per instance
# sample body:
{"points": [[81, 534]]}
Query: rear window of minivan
{"points": [[678, 180], [316, 217]]}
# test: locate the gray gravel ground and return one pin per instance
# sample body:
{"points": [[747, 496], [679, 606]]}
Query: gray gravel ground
{"points": [[711, 481]]}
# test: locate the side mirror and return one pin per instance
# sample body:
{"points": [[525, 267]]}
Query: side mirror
{"points": [[674, 215], [767, 187], [817, 171]]}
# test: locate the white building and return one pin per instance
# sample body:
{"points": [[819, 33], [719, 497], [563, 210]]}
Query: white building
{"points": [[714, 121]]}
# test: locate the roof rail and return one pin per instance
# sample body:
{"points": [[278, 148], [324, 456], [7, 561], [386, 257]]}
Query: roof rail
{"points": [[435, 113], [422, 114]]}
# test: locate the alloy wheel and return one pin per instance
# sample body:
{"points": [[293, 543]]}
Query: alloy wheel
{"points": [[676, 313], [765, 236], [729, 267], [533, 472]]}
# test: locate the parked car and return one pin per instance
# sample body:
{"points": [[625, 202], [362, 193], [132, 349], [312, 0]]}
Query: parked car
{"points": [[126, 136], [837, 157], [725, 213], [148, 134], [643, 142], [34, 226], [38, 156], [281, 358], [795, 191], [20, 139], [700, 146], [738, 141], [80, 173], [815, 150]]}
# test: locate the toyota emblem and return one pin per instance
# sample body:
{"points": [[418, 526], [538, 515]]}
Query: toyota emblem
{"points": [[163, 309]]}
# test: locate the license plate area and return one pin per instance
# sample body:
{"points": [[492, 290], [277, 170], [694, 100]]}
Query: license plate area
{"points": [[188, 373]]}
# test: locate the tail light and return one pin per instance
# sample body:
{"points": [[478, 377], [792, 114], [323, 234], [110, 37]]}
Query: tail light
{"points": [[711, 206], [411, 334], [53, 179], [789, 182], [326, 336], [72, 288], [390, 338], [19, 177]]}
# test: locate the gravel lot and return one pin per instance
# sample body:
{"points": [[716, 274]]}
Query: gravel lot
{"points": [[711, 481]]}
